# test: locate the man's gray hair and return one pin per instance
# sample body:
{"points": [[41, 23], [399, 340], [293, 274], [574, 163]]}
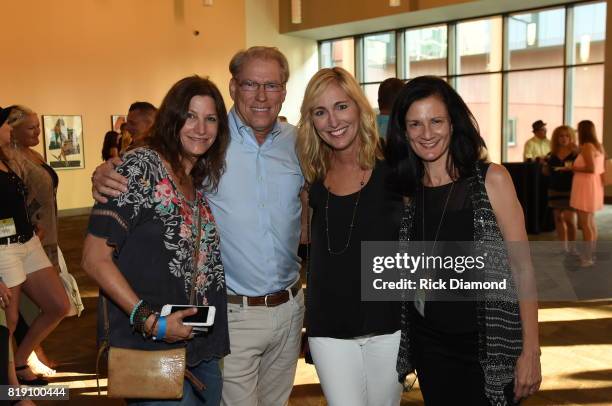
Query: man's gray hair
{"points": [[263, 53]]}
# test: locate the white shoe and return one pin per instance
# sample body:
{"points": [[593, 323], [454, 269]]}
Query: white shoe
{"points": [[38, 367]]}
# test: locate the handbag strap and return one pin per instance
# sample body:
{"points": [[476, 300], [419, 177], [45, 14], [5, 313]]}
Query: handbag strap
{"points": [[105, 345]]}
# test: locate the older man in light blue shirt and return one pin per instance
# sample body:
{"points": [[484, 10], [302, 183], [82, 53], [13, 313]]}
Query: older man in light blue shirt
{"points": [[257, 210]]}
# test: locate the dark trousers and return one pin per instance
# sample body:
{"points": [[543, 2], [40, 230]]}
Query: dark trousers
{"points": [[447, 367]]}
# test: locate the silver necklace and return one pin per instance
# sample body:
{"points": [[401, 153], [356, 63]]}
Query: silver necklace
{"points": [[350, 232], [450, 192]]}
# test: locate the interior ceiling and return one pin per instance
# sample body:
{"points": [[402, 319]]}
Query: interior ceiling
{"points": [[423, 17]]}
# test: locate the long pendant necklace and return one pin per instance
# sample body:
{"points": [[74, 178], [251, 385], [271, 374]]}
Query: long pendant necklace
{"points": [[350, 232], [448, 196], [420, 295]]}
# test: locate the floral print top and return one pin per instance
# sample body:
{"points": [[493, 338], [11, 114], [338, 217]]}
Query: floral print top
{"points": [[152, 228]]}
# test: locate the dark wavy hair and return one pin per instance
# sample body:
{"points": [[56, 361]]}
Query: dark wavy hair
{"points": [[110, 141], [171, 118], [466, 145]]}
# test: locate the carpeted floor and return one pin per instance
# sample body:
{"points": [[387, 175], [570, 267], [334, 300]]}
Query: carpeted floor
{"points": [[576, 343]]}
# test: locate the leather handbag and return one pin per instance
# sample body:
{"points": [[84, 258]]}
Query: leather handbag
{"points": [[146, 374], [71, 287], [141, 374]]}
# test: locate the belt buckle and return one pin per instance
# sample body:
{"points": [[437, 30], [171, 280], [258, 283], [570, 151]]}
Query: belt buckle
{"points": [[266, 300]]}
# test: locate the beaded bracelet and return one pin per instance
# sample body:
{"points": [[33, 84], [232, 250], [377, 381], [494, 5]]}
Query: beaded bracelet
{"points": [[142, 314], [152, 331], [134, 309]]}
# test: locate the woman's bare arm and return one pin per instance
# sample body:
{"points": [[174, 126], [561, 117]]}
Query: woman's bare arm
{"points": [[510, 219]]}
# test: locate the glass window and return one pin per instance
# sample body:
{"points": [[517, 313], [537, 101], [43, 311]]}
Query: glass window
{"points": [[371, 92], [425, 51], [588, 41], [379, 57], [587, 95], [340, 52], [482, 94], [536, 39], [511, 69], [479, 45], [533, 95]]}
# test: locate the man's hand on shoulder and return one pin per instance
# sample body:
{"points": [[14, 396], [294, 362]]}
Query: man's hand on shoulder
{"points": [[106, 181]]}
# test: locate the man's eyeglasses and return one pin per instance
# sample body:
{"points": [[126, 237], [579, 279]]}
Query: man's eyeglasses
{"points": [[251, 86]]}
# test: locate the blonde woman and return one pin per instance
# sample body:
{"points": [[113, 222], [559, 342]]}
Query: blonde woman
{"points": [[42, 283], [354, 344], [587, 195], [563, 152]]}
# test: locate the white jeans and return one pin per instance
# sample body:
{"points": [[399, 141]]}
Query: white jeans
{"points": [[358, 371]]}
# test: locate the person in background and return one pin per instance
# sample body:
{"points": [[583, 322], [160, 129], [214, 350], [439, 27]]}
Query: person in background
{"points": [[538, 146], [20, 252], [125, 139], [354, 344], [587, 194], [182, 163], [484, 349], [140, 118], [387, 92], [43, 285], [563, 152], [109, 147]]}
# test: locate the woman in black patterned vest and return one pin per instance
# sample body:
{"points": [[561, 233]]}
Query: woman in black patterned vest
{"points": [[479, 346]]}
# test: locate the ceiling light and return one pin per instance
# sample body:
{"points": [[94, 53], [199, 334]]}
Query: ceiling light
{"points": [[296, 11]]}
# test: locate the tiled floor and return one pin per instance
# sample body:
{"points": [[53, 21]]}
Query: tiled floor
{"points": [[576, 344]]}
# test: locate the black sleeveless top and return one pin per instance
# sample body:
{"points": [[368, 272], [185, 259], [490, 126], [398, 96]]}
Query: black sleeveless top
{"points": [[14, 202], [333, 306], [560, 181], [457, 225]]}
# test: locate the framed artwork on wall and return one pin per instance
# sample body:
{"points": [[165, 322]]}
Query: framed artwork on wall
{"points": [[63, 140], [116, 121]]}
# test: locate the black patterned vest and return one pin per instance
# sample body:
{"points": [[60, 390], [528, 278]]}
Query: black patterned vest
{"points": [[499, 325]]}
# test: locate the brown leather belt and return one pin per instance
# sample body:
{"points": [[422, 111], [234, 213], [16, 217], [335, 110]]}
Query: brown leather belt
{"points": [[271, 300]]}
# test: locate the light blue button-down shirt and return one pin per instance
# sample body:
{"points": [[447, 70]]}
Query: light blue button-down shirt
{"points": [[257, 210]]}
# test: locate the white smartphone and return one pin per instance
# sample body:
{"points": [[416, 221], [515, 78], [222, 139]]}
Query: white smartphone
{"points": [[205, 317]]}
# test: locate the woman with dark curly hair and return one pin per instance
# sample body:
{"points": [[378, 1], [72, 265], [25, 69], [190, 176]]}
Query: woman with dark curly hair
{"points": [[141, 246], [110, 146], [484, 348]]}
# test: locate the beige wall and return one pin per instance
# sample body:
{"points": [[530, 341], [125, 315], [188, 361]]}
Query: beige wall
{"points": [[302, 54], [94, 57]]}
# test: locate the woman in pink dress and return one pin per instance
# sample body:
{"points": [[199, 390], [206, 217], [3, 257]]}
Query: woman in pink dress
{"points": [[587, 188]]}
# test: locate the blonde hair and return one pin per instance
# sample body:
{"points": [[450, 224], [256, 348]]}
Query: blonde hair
{"points": [[554, 139], [314, 154], [18, 115]]}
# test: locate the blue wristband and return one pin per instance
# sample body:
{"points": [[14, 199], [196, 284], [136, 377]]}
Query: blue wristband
{"points": [[161, 328], [134, 311]]}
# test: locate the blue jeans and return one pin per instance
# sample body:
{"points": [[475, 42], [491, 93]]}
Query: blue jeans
{"points": [[206, 371]]}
